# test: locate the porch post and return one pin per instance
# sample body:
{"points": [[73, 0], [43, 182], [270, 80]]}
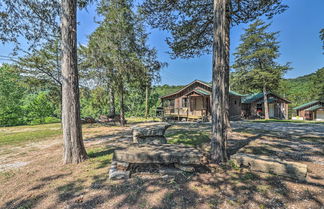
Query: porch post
{"points": [[204, 106], [188, 106]]}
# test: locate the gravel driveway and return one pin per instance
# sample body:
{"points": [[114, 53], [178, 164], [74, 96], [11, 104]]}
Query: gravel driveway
{"points": [[283, 127]]}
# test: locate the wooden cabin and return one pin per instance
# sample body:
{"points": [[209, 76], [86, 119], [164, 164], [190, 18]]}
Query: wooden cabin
{"points": [[194, 102], [311, 111], [253, 106]]}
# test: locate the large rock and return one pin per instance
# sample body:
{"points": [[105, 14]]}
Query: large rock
{"points": [[271, 165], [161, 154], [150, 133]]}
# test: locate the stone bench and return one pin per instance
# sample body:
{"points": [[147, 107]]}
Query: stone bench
{"points": [[150, 133], [181, 157], [272, 165], [161, 154]]}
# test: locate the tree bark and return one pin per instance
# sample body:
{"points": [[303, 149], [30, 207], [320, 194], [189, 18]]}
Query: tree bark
{"points": [[265, 103], [74, 151], [112, 109], [227, 70], [218, 140], [122, 111], [147, 108], [61, 104]]}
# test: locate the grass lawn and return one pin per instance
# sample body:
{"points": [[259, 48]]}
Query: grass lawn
{"points": [[23, 134]]}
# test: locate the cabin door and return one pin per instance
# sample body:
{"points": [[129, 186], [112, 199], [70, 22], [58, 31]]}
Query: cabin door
{"points": [[320, 115], [271, 110]]}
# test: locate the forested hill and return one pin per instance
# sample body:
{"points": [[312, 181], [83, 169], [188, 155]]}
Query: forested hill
{"points": [[298, 90], [304, 88]]}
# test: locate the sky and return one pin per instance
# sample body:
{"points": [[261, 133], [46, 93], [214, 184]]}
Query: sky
{"points": [[300, 44]]}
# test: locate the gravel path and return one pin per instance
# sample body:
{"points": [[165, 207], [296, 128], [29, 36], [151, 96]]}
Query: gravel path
{"points": [[283, 127]]}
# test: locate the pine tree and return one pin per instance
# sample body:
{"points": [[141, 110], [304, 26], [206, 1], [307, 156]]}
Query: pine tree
{"points": [[255, 65]]}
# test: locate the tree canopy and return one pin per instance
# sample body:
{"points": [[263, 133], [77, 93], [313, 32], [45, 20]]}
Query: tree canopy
{"points": [[191, 22]]}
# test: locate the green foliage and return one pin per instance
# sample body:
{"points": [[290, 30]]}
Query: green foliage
{"points": [[19, 105], [11, 94], [94, 102], [37, 108]]}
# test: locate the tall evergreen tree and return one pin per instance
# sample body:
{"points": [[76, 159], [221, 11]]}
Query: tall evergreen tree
{"points": [[255, 65], [194, 27]]}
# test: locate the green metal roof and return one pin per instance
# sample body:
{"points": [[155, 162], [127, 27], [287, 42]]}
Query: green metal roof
{"points": [[236, 94], [305, 105], [270, 100], [202, 91], [247, 99], [252, 97], [314, 107]]}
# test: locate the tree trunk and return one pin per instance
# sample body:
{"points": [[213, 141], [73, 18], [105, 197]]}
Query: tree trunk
{"points": [[265, 102], [61, 103], [74, 151], [122, 112], [112, 109], [147, 108], [218, 140], [227, 70]]}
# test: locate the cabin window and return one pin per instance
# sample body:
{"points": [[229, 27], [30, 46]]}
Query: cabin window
{"points": [[184, 102], [171, 102], [235, 102], [168, 103]]}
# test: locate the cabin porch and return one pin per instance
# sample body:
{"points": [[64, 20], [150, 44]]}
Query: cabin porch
{"points": [[189, 107]]}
